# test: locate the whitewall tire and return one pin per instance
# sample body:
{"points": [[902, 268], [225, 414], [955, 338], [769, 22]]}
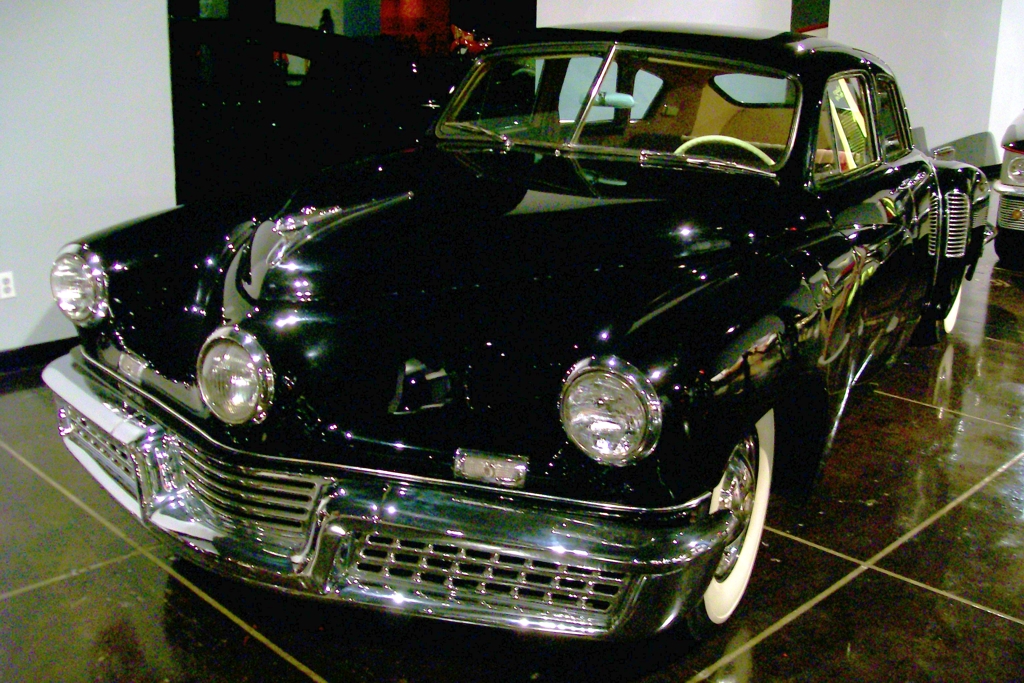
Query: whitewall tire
{"points": [[949, 322], [733, 573]]}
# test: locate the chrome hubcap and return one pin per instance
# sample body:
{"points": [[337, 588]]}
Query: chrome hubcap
{"points": [[736, 495]]}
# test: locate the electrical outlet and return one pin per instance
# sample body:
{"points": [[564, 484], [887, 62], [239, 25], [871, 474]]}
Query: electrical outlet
{"points": [[7, 285]]}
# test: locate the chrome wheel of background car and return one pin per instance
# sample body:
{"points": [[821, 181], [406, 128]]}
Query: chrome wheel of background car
{"points": [[744, 489]]}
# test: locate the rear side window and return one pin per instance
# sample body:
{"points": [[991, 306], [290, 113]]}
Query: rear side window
{"points": [[845, 140], [893, 136]]}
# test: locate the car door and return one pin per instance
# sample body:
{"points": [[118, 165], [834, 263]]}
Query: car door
{"points": [[870, 262], [914, 185]]}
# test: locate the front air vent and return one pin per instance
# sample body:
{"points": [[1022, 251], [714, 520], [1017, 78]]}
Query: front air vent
{"points": [[454, 571], [933, 225], [958, 224], [114, 456], [1011, 213], [276, 505]]}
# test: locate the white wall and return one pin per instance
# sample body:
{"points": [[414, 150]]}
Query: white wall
{"points": [[942, 51], [1008, 90], [767, 14], [85, 138]]}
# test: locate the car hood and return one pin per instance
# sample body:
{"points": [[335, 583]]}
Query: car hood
{"points": [[434, 223], [421, 303]]}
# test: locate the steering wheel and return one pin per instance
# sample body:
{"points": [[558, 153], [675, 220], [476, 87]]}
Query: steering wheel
{"points": [[742, 144]]}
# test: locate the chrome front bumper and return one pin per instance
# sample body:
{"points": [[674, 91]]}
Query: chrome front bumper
{"points": [[460, 553], [1011, 206]]}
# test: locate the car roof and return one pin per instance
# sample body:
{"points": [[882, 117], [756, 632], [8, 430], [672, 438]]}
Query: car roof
{"points": [[791, 52]]}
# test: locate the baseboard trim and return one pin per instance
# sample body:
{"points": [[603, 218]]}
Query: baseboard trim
{"points": [[37, 355]]}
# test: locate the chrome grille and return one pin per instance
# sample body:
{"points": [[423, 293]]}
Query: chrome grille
{"points": [[114, 456], [933, 225], [454, 570], [279, 505], [958, 224], [979, 215], [1007, 207]]}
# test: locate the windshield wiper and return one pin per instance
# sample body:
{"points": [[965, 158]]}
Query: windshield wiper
{"points": [[475, 128]]}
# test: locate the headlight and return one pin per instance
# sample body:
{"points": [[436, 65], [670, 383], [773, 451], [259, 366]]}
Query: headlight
{"points": [[1013, 168], [235, 377], [610, 411], [79, 287]]}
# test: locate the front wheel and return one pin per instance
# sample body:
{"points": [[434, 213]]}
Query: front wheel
{"points": [[930, 330], [949, 322], [744, 491]]}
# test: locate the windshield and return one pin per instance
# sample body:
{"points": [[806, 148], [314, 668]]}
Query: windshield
{"points": [[630, 100]]}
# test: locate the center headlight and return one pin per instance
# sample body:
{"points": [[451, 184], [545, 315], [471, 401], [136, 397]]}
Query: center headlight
{"points": [[610, 411], [235, 377], [79, 286]]}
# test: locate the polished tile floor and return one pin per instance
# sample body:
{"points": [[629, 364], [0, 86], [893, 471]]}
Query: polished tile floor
{"points": [[906, 563]]}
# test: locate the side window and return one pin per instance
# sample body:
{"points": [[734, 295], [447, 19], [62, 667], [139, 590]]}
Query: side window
{"points": [[646, 87], [892, 133], [845, 143]]}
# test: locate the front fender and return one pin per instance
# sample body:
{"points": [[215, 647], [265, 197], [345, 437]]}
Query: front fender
{"points": [[957, 219]]}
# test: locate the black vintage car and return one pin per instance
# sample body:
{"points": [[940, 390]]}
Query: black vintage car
{"points": [[543, 372]]}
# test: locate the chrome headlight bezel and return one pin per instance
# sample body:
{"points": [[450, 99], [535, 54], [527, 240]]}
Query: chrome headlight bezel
{"points": [[258, 375], [621, 378], [1013, 168], [87, 303]]}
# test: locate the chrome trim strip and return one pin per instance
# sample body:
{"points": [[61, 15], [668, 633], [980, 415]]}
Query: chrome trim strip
{"points": [[612, 508]]}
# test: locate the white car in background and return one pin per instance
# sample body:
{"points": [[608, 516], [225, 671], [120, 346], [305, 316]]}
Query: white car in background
{"points": [[1010, 186]]}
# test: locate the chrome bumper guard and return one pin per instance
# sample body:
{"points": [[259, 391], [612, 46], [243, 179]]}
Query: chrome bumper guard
{"points": [[431, 548]]}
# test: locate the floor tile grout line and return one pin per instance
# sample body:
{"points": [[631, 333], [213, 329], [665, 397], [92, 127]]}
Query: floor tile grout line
{"points": [[950, 596], [778, 625], [81, 571], [814, 545], [869, 564], [205, 597], [1003, 341], [895, 575], [948, 410]]}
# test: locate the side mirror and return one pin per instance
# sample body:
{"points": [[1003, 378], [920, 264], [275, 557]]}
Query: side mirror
{"points": [[616, 100]]}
